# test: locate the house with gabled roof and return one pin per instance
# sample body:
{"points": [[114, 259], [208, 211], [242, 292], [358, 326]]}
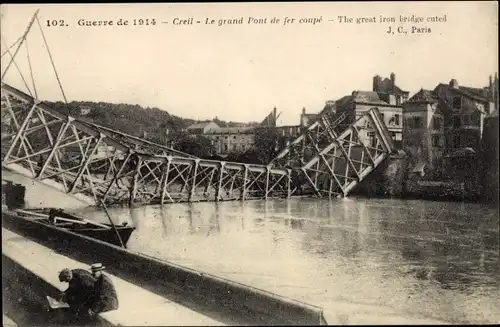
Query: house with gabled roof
{"points": [[423, 131], [385, 96], [445, 123], [465, 119]]}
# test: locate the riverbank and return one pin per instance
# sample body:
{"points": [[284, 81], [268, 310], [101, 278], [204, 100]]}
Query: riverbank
{"points": [[394, 179]]}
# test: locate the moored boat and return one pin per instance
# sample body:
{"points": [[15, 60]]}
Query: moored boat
{"points": [[74, 223]]}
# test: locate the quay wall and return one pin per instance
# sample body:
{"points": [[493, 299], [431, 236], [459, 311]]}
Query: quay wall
{"points": [[164, 278]]}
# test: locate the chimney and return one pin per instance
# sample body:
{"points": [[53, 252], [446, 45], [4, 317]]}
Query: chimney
{"points": [[393, 81], [275, 116], [376, 83], [303, 110], [454, 83]]}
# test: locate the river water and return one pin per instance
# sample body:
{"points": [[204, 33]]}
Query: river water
{"points": [[362, 260], [365, 261]]}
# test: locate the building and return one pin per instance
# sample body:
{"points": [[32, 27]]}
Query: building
{"points": [[201, 127], [385, 96], [423, 130], [388, 90], [464, 122], [307, 119], [490, 158], [230, 139], [290, 131], [444, 127]]}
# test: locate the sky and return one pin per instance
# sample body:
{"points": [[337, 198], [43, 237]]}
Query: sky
{"points": [[240, 72]]}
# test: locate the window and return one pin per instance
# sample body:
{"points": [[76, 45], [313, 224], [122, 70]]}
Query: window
{"points": [[436, 141], [436, 121], [234, 137], [457, 103], [466, 120], [382, 116], [475, 118], [398, 101], [397, 118], [417, 122], [456, 121], [456, 140]]}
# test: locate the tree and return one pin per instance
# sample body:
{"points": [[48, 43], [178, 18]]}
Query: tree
{"points": [[198, 145], [266, 144]]}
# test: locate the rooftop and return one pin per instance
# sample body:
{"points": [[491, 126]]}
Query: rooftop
{"points": [[424, 96], [368, 97], [465, 91], [230, 130], [200, 125]]}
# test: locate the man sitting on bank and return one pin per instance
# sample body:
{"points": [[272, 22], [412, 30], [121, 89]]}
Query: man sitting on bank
{"points": [[80, 292], [104, 293]]}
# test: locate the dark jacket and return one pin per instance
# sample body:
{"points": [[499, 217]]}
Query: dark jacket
{"points": [[105, 297], [80, 290]]}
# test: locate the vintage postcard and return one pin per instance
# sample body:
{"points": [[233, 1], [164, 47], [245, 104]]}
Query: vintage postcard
{"points": [[250, 163]]}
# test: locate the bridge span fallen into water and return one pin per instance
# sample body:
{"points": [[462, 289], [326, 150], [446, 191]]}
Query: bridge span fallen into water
{"points": [[329, 159], [333, 155]]}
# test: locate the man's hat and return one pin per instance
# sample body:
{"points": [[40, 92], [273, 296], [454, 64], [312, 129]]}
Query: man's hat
{"points": [[97, 267]]}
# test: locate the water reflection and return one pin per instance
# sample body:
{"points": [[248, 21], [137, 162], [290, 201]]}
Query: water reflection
{"points": [[410, 258]]}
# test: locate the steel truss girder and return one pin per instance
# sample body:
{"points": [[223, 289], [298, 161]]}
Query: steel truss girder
{"points": [[58, 150], [335, 169], [170, 179], [140, 145]]}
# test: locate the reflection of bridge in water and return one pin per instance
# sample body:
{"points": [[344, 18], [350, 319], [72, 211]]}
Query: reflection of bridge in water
{"points": [[328, 159]]}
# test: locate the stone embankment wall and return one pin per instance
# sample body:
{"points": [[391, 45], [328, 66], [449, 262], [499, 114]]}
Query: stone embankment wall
{"points": [[393, 178], [387, 180]]}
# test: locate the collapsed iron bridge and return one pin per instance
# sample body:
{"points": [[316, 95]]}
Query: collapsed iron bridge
{"points": [[329, 159], [332, 155]]}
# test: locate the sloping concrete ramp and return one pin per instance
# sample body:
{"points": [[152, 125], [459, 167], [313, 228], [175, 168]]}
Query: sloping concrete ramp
{"points": [[138, 307]]}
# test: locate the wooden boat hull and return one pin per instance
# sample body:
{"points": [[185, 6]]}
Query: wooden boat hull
{"points": [[102, 232], [107, 235]]}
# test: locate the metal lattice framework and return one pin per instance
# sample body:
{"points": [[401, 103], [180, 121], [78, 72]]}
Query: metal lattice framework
{"points": [[333, 156], [96, 163]]}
